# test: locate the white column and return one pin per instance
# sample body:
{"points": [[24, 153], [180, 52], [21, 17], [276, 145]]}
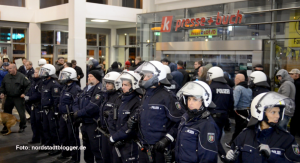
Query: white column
{"points": [[34, 35], [113, 42], [77, 35], [149, 6]]}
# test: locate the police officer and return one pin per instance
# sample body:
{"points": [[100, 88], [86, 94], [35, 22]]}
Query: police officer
{"points": [[68, 134], [93, 64], [222, 96], [50, 94], [127, 106], [174, 86], [5, 58], [263, 140], [42, 62], [111, 93], [197, 132], [159, 115], [33, 102], [15, 85], [258, 83], [86, 111]]}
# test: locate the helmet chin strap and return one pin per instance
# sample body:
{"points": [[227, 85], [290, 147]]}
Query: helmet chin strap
{"points": [[195, 112]]}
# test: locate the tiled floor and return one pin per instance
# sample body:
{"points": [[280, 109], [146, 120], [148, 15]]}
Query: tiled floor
{"points": [[8, 152]]}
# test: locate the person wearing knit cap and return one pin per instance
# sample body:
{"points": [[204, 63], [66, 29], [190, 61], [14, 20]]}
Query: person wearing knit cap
{"points": [[86, 111], [127, 65]]}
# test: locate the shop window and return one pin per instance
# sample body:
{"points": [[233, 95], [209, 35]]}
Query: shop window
{"points": [[61, 37], [287, 3], [132, 40], [102, 40], [50, 3], [97, 1], [91, 39], [19, 3], [47, 37], [132, 3], [5, 35], [19, 51], [19, 35]]}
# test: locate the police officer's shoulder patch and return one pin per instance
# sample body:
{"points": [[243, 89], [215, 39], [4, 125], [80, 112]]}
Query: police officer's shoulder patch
{"points": [[211, 137], [296, 149], [55, 90], [97, 97], [178, 106]]}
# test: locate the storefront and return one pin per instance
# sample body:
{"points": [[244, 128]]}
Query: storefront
{"points": [[234, 36]]}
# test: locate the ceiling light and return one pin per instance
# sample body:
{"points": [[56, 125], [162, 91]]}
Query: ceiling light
{"points": [[206, 39], [229, 28], [125, 34], [100, 21]]}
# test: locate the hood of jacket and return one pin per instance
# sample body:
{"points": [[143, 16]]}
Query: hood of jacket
{"points": [[285, 76], [173, 67]]}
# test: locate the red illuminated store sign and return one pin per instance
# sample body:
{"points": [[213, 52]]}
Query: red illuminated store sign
{"points": [[234, 19]]}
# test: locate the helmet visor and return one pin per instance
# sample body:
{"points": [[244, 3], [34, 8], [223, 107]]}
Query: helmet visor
{"points": [[147, 68], [64, 76], [191, 89], [44, 72], [208, 76], [109, 84]]}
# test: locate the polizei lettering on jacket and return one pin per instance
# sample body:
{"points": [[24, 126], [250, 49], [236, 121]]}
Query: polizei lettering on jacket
{"points": [[223, 91]]}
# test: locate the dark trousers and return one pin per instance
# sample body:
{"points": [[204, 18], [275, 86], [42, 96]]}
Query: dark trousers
{"points": [[221, 120], [107, 150], [36, 124], [69, 136], [19, 103], [129, 153], [240, 123], [295, 121], [91, 140], [50, 128], [28, 109], [158, 157]]}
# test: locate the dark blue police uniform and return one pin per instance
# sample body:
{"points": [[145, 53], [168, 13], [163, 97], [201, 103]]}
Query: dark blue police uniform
{"points": [[49, 101], [258, 90], [87, 106], [108, 104], [69, 135], [34, 103], [174, 87], [117, 128], [197, 140], [159, 115], [283, 146]]}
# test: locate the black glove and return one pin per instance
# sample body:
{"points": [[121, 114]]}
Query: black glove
{"points": [[162, 144], [77, 122], [131, 123], [106, 114], [119, 143]]}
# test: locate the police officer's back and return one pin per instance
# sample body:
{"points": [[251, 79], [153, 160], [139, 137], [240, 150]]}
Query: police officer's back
{"points": [[258, 83], [174, 86]]}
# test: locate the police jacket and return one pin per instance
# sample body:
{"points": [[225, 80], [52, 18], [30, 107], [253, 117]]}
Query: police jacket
{"points": [[22, 69], [87, 104], [109, 103], [34, 92], [222, 96], [174, 86], [50, 94], [284, 148], [15, 85], [197, 140], [258, 90], [159, 115], [127, 107], [67, 97], [29, 73]]}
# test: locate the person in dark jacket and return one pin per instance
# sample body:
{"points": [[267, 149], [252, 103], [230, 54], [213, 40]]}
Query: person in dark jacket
{"points": [[258, 83], [33, 101], [197, 65], [177, 76], [181, 69], [295, 121], [114, 67], [111, 94], [197, 133], [22, 69], [263, 140], [93, 64], [29, 70], [78, 70], [15, 85], [127, 105], [86, 111], [138, 62], [59, 65]]}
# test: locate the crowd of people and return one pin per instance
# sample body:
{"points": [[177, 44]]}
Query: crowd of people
{"points": [[154, 111]]}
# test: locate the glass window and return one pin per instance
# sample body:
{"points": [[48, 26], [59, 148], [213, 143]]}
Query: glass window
{"points": [[97, 1], [287, 3], [248, 6], [19, 3], [18, 49], [47, 53], [62, 52], [49, 3], [132, 3], [47, 37], [102, 40], [104, 56], [250, 32], [19, 35], [5, 35], [91, 39], [61, 37], [132, 40]]}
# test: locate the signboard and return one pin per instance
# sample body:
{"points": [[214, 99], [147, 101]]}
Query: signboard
{"points": [[220, 19], [203, 32]]}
